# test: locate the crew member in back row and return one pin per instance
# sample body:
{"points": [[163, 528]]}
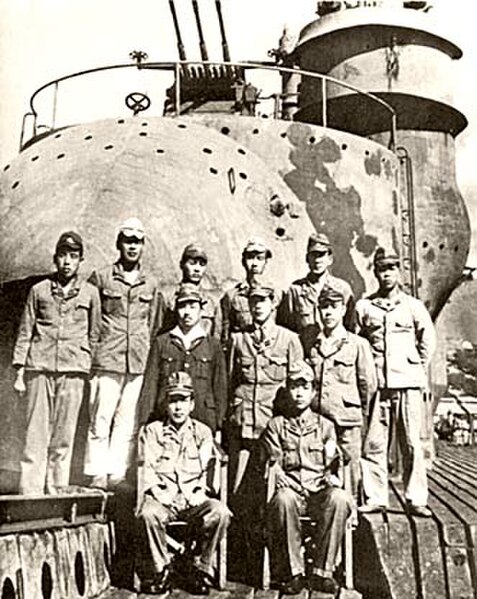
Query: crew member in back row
{"points": [[402, 338], [299, 307], [234, 304], [130, 300], [345, 376], [193, 266], [187, 347], [58, 332]]}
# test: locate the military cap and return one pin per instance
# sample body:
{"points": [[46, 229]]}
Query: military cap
{"points": [[70, 240], [132, 227], [318, 242], [188, 292], [257, 245], [383, 257], [192, 250], [330, 294], [263, 289], [301, 370], [179, 383]]}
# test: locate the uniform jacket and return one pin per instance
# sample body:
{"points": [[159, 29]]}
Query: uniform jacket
{"points": [[176, 464], [258, 369], [345, 375], [235, 310], [303, 446], [402, 338], [211, 320], [58, 333], [205, 363], [299, 306], [128, 314]]}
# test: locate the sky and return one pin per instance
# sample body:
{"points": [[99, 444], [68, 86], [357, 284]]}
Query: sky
{"points": [[41, 40]]}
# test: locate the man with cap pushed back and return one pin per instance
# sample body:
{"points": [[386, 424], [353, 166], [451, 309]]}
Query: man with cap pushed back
{"points": [[299, 307], [402, 338], [129, 301], [58, 332], [344, 374], [176, 457], [190, 348], [301, 446], [234, 304], [193, 266]]}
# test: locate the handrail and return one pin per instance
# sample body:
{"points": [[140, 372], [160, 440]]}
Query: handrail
{"points": [[175, 67]]}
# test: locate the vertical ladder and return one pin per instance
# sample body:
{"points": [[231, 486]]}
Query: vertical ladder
{"points": [[408, 224]]}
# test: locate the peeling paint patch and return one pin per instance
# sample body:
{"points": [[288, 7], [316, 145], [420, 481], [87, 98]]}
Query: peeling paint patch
{"points": [[395, 203], [388, 169], [372, 164]]}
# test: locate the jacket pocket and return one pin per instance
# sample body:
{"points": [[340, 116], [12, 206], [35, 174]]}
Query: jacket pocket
{"points": [[276, 369], [345, 370], [110, 300], [203, 366], [81, 311]]}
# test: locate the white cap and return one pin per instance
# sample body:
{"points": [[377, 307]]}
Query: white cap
{"points": [[132, 227]]}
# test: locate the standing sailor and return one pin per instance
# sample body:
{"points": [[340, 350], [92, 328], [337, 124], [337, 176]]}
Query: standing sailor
{"points": [[129, 301], [299, 307], [402, 338]]}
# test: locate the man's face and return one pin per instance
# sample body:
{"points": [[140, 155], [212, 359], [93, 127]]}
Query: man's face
{"points": [[319, 261], [255, 263], [332, 314], [388, 276], [301, 393], [179, 408], [67, 263], [193, 270], [130, 249], [188, 313], [260, 308]]}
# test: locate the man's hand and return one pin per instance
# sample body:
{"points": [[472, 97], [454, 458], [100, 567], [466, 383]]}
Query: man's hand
{"points": [[19, 384], [281, 480]]}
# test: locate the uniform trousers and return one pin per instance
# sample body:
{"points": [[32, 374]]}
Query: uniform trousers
{"points": [[330, 508], [349, 439], [208, 522], [399, 424], [53, 402], [113, 428]]}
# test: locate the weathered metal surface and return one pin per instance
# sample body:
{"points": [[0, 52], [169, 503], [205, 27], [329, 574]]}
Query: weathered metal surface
{"points": [[348, 185]]}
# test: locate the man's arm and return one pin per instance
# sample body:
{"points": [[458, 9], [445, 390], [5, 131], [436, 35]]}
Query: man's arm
{"points": [[295, 350], [366, 374], [425, 333], [285, 310], [94, 319], [157, 314], [150, 386], [219, 382], [23, 341]]}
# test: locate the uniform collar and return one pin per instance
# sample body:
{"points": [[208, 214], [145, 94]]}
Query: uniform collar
{"points": [[187, 339], [118, 273], [57, 289], [304, 423], [169, 428], [328, 346], [387, 303]]}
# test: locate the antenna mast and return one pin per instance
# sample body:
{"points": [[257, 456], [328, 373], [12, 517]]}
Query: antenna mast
{"points": [[180, 45], [203, 47], [225, 46]]}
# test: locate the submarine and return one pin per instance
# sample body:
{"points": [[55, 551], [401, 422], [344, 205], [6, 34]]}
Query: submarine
{"points": [[357, 140]]}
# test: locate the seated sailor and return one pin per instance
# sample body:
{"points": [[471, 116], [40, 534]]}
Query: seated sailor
{"points": [[176, 456], [302, 444]]}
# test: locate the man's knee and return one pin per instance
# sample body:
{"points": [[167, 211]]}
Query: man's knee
{"points": [[217, 514], [339, 499], [153, 512], [284, 500]]}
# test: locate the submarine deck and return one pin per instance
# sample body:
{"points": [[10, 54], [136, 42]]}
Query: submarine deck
{"points": [[396, 555]]}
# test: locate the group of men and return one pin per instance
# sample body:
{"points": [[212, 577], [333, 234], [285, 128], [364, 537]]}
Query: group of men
{"points": [[304, 378]]}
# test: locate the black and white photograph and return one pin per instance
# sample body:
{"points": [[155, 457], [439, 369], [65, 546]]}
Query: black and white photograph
{"points": [[238, 299]]}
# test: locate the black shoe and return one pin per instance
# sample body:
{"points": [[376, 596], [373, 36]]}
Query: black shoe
{"points": [[324, 584], [294, 586], [159, 585], [198, 583]]}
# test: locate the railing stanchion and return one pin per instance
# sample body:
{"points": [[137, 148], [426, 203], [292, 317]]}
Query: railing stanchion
{"points": [[177, 70], [324, 100], [55, 102]]}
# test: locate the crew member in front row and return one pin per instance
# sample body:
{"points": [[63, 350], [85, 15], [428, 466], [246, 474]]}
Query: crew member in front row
{"points": [[58, 332], [402, 338], [129, 301], [299, 307], [345, 376], [176, 455], [303, 443], [193, 265], [235, 307], [190, 348]]}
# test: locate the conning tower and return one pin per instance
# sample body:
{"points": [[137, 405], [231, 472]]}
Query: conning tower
{"points": [[392, 49]]}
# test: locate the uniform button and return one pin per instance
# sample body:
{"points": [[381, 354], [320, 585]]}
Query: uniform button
{"points": [[186, 364]]}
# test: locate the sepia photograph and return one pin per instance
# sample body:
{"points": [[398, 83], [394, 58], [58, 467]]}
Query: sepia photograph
{"points": [[238, 299]]}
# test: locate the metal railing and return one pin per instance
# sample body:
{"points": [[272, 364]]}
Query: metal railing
{"points": [[210, 69]]}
